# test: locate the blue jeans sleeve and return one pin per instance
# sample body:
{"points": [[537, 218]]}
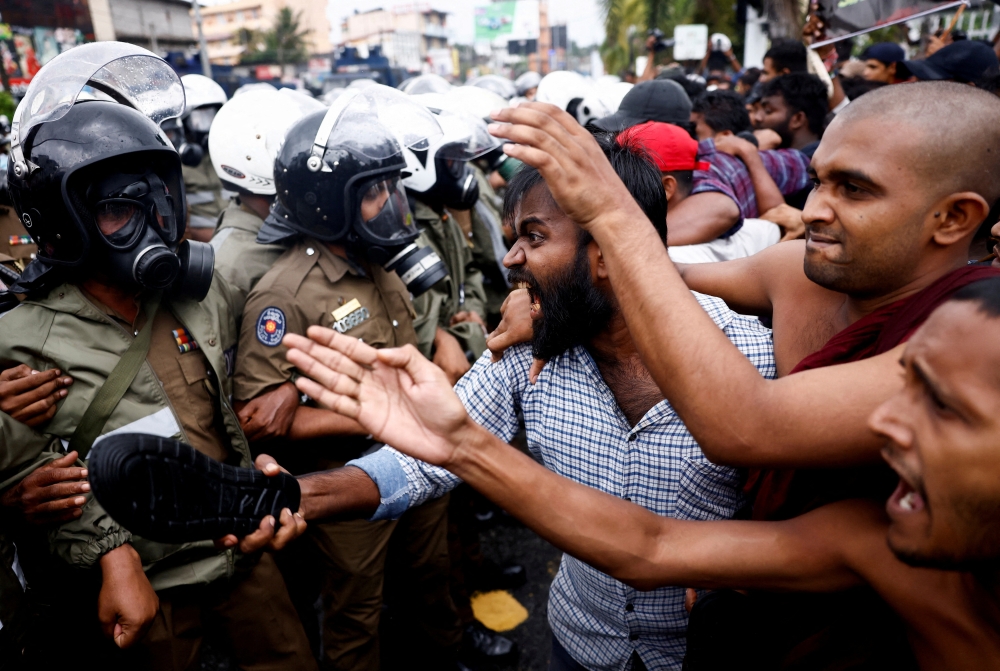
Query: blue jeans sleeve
{"points": [[385, 471]]}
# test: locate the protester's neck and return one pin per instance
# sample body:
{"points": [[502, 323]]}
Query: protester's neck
{"points": [[924, 276], [124, 302], [986, 583], [614, 343]]}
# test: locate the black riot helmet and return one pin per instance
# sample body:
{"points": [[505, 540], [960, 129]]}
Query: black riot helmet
{"points": [[337, 177], [95, 181]]}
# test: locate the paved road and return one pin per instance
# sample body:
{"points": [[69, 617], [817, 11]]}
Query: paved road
{"points": [[505, 543]]}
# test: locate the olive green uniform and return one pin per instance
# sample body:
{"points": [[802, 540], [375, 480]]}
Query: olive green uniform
{"points": [[489, 247], [239, 258], [20, 448], [16, 247], [181, 391], [461, 290], [206, 198], [310, 285]]}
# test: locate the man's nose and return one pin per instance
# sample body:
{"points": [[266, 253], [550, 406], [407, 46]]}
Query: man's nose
{"points": [[514, 257]]}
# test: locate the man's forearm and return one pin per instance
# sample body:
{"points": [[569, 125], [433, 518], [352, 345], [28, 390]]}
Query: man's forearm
{"points": [[729, 408], [767, 192], [343, 493], [700, 218], [641, 548], [319, 423]]}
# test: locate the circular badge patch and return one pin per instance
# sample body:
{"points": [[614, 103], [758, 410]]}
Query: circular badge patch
{"points": [[271, 326]]}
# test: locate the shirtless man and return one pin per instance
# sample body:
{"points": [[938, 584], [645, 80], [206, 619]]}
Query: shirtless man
{"points": [[880, 228], [938, 570]]}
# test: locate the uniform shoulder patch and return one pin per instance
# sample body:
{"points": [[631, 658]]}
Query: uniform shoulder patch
{"points": [[271, 326]]}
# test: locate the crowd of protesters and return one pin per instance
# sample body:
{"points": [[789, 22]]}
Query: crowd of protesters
{"points": [[722, 340]]}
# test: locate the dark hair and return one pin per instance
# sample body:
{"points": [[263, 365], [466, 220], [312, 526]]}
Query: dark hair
{"points": [[723, 110], [787, 54], [802, 93], [633, 166], [685, 180], [855, 87], [691, 87], [989, 81], [750, 77], [985, 293]]}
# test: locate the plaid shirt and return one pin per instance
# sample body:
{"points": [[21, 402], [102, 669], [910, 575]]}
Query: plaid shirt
{"points": [[727, 174], [575, 427]]}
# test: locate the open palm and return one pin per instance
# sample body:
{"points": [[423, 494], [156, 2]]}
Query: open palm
{"points": [[403, 399]]}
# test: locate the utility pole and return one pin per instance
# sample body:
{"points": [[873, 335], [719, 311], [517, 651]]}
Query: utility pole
{"points": [[206, 65]]}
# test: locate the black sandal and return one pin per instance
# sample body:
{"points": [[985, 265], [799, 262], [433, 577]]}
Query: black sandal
{"points": [[166, 491]]}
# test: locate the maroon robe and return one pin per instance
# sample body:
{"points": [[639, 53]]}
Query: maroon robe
{"points": [[781, 494]]}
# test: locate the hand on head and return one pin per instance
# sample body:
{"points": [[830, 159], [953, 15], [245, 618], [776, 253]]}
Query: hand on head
{"points": [[403, 399]]}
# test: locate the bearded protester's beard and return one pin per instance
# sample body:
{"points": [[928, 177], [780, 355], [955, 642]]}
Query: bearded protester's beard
{"points": [[573, 309]]}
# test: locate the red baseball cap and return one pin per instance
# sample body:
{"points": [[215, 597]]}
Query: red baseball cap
{"points": [[670, 146]]}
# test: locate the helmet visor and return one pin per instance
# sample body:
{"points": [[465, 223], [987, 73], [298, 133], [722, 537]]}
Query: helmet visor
{"points": [[125, 72], [359, 121], [467, 137], [383, 211]]}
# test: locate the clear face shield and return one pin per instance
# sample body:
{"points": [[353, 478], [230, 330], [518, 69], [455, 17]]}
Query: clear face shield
{"points": [[384, 212], [125, 73]]}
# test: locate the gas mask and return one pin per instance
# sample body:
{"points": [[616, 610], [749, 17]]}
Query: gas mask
{"points": [[384, 232], [191, 154], [136, 221], [198, 123], [455, 187]]}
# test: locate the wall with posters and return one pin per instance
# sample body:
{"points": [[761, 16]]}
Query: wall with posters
{"points": [[24, 50]]}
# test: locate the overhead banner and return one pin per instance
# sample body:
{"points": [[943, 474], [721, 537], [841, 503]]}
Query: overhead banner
{"points": [[501, 22], [848, 18]]}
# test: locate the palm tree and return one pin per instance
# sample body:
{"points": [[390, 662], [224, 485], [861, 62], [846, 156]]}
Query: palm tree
{"points": [[284, 43]]}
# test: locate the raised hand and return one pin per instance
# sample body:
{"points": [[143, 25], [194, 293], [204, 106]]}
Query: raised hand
{"points": [[578, 175], [396, 394]]}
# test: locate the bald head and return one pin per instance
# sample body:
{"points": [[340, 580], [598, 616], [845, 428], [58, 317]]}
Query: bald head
{"points": [[953, 131]]}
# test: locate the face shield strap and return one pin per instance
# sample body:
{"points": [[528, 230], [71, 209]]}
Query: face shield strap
{"points": [[164, 204], [315, 162]]}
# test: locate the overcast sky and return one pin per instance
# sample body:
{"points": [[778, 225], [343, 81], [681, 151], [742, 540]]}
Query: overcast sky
{"points": [[583, 17]]}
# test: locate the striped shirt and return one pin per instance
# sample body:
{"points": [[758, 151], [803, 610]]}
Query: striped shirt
{"points": [[575, 428]]}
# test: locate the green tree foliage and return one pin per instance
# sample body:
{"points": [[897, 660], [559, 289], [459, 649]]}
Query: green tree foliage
{"points": [[627, 22], [284, 43], [7, 105]]}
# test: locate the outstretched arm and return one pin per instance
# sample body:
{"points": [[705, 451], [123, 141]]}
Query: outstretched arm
{"points": [[729, 408], [407, 402]]}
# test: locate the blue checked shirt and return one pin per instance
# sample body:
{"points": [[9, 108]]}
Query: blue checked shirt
{"points": [[575, 427]]}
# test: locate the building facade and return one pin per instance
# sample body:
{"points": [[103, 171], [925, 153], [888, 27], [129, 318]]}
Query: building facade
{"points": [[408, 35], [224, 25]]}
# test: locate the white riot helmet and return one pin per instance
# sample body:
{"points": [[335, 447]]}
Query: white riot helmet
{"points": [[611, 94], [425, 83], [441, 173], [254, 86], [524, 83], [203, 98], [573, 93], [248, 132], [471, 100], [502, 86]]}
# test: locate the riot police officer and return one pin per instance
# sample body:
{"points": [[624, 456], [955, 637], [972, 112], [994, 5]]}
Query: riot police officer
{"points": [[351, 264], [132, 313], [206, 197], [242, 143]]}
